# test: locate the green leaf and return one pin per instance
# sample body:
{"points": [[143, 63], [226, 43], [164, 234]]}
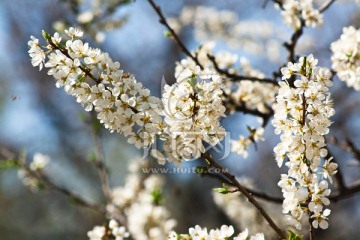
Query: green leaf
{"points": [[221, 190], [167, 34], [157, 196], [7, 164], [46, 35], [294, 236]]}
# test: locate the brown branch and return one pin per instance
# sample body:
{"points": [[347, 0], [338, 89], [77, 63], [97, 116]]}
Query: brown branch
{"points": [[348, 192], [242, 108], [100, 161], [251, 199], [326, 5], [311, 229], [339, 175], [255, 193], [347, 145], [291, 45], [174, 36], [7, 153], [279, 2], [73, 196], [236, 77]]}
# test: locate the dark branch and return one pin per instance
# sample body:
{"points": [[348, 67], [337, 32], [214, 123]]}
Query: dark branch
{"points": [[174, 36], [236, 77], [253, 192], [250, 197], [326, 5]]}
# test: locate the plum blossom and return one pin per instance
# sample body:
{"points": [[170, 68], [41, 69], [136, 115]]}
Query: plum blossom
{"points": [[301, 116]]}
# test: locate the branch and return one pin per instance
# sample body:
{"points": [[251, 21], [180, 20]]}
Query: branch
{"points": [[347, 145], [326, 5], [311, 229], [251, 199], [175, 37], [73, 196], [260, 195], [7, 153], [100, 161], [242, 108], [348, 192], [290, 46], [339, 175], [236, 77]]}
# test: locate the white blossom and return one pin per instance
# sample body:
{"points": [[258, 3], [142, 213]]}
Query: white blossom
{"points": [[301, 116], [294, 12], [97, 233], [346, 57]]}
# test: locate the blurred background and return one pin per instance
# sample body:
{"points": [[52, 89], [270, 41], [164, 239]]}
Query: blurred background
{"points": [[35, 116]]}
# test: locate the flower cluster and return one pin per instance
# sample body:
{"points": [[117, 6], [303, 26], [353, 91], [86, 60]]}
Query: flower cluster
{"points": [[346, 57], [192, 109], [302, 114], [294, 11], [247, 93], [252, 95], [140, 199], [223, 233], [122, 104], [27, 175], [112, 231]]}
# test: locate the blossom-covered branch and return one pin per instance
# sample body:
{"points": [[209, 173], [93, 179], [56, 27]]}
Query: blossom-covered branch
{"points": [[302, 118]]}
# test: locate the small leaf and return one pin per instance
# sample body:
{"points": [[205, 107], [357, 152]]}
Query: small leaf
{"points": [[294, 236], [167, 34], [46, 35], [221, 190], [6, 164], [157, 196]]}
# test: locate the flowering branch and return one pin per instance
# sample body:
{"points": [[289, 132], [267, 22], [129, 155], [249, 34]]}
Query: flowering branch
{"points": [[251, 199]]}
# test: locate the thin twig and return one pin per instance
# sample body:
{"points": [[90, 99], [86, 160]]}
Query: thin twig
{"points": [[236, 77], [339, 175], [251, 199], [255, 193], [174, 36], [347, 145], [100, 162], [291, 45], [311, 229], [326, 5], [73, 196], [42, 178], [348, 192]]}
